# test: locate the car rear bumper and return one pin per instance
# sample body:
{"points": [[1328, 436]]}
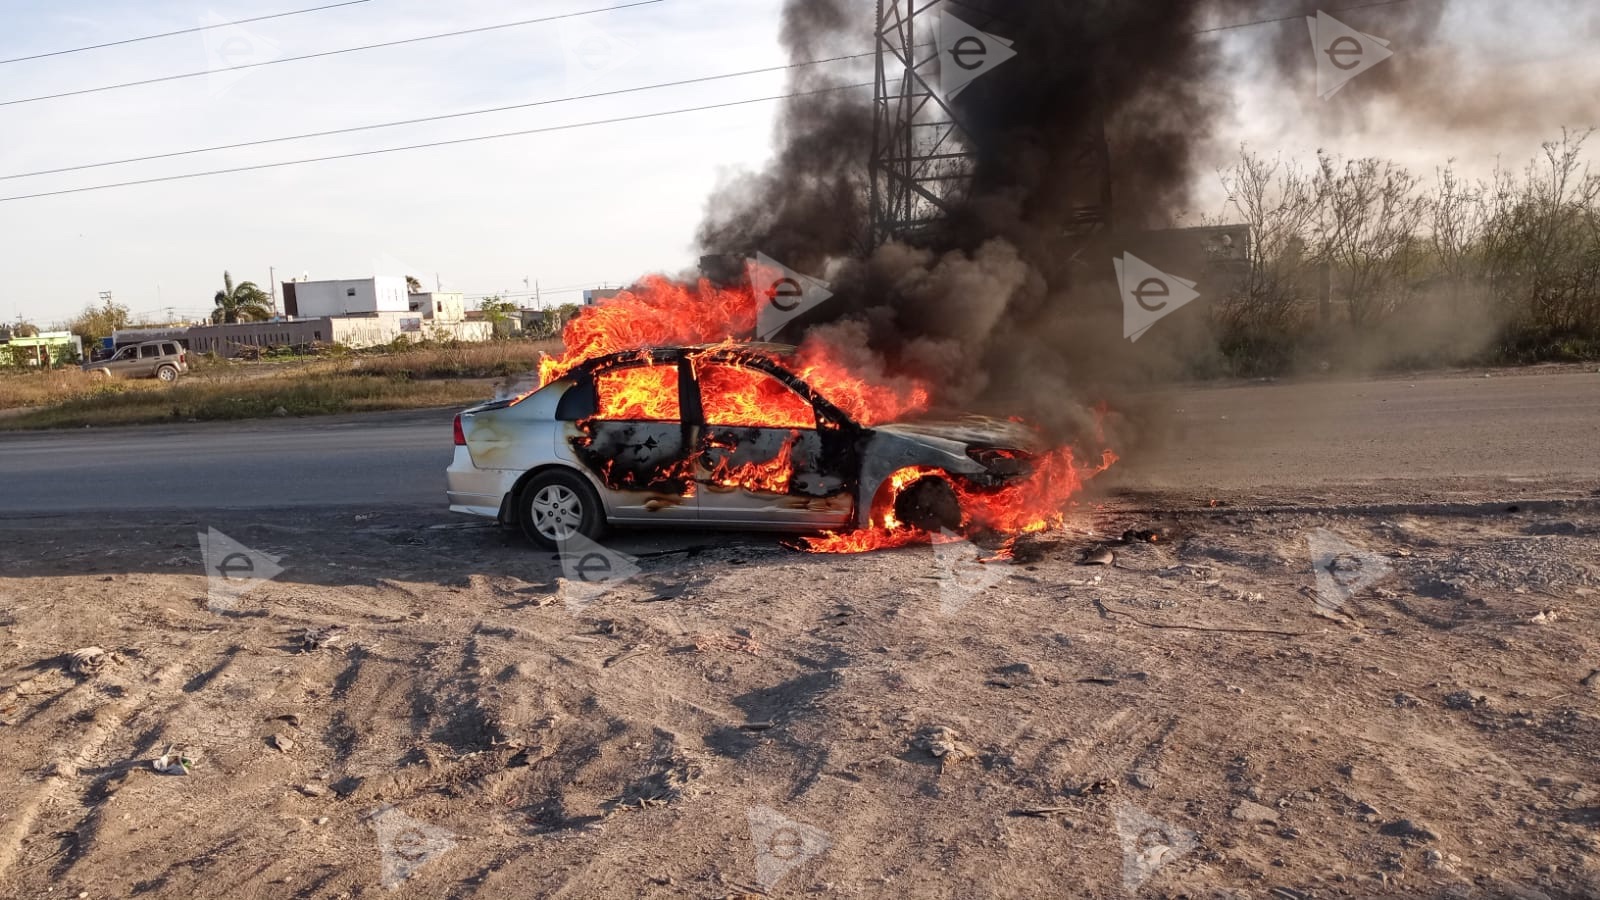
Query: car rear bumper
{"points": [[474, 491]]}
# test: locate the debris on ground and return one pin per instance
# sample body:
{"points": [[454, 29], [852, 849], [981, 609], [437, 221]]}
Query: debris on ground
{"points": [[88, 661], [944, 744], [1408, 828], [174, 762], [1098, 556], [316, 639], [731, 643]]}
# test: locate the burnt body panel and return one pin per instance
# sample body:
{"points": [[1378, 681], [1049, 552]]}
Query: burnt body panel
{"points": [[788, 478]]}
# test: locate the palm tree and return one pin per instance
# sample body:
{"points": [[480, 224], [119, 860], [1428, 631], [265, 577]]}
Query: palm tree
{"points": [[242, 303], [413, 286]]}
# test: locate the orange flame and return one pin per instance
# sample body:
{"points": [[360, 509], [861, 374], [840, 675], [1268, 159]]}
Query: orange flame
{"points": [[1033, 504], [659, 312]]}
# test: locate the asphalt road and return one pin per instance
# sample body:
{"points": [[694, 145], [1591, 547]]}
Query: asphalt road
{"points": [[1538, 426]]}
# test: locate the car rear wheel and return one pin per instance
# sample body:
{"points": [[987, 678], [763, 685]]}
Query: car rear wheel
{"points": [[557, 506], [167, 374]]}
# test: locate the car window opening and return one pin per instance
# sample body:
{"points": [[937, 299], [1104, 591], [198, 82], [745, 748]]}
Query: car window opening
{"points": [[639, 394], [749, 398]]}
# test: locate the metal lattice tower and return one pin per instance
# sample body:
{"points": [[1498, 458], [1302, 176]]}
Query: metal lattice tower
{"points": [[923, 158]]}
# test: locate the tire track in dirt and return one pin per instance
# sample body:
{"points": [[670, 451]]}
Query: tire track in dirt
{"points": [[63, 773]]}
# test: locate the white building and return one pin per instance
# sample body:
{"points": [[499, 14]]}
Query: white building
{"points": [[346, 297], [440, 307]]}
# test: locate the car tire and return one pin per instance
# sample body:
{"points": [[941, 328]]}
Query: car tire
{"points": [[930, 504], [167, 374], [557, 505]]}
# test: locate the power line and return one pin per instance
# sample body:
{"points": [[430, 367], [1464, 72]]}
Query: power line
{"points": [[1344, 9], [325, 53], [449, 143], [418, 121], [167, 34]]}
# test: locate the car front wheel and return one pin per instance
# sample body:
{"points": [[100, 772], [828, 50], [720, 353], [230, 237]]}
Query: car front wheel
{"points": [[557, 506]]}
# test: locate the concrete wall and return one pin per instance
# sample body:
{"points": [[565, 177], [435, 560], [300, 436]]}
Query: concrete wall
{"points": [[369, 331], [356, 332], [227, 340], [382, 293]]}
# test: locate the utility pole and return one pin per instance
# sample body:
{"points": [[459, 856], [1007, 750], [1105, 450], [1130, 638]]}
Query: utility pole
{"points": [[272, 285]]}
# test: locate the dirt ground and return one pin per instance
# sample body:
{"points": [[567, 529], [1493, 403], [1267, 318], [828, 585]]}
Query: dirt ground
{"points": [[422, 707]]}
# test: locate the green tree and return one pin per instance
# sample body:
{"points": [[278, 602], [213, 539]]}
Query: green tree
{"points": [[413, 286], [244, 302], [97, 322]]}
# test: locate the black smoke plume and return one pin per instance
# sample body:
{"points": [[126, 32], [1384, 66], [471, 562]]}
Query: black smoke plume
{"points": [[1001, 308]]}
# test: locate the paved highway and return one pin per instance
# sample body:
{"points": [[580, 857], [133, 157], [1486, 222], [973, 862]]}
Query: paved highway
{"points": [[366, 460], [1517, 425]]}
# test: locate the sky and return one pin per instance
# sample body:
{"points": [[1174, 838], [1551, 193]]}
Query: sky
{"points": [[564, 210]]}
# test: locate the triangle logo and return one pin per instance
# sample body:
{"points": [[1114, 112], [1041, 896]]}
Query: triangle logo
{"points": [[1342, 569], [967, 54], [1343, 53], [781, 844], [1149, 845], [407, 845], [590, 571], [232, 569], [592, 53], [962, 573], [230, 47], [783, 294], [1149, 294]]}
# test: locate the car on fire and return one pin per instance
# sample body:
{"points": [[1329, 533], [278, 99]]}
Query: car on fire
{"points": [[722, 436]]}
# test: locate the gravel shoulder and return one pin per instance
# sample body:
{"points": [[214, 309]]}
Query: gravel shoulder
{"points": [[421, 703]]}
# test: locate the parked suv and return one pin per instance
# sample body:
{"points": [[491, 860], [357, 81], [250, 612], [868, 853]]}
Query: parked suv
{"points": [[165, 360]]}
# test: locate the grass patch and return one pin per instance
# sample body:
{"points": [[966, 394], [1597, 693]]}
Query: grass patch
{"points": [[253, 399], [402, 377]]}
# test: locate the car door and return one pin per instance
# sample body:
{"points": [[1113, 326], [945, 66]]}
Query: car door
{"points": [[124, 363], [763, 457], [149, 358], [637, 442]]}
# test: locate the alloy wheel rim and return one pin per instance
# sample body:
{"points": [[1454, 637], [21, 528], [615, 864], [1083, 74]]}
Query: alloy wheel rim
{"points": [[557, 512]]}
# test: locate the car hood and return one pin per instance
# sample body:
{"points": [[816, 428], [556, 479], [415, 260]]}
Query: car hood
{"points": [[973, 431]]}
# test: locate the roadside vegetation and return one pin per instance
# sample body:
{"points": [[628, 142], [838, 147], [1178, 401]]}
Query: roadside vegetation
{"points": [[1362, 264], [401, 376]]}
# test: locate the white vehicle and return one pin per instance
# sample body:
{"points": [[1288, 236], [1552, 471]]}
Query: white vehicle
{"points": [[723, 437]]}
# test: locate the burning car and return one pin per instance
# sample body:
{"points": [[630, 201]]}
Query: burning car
{"points": [[745, 436]]}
